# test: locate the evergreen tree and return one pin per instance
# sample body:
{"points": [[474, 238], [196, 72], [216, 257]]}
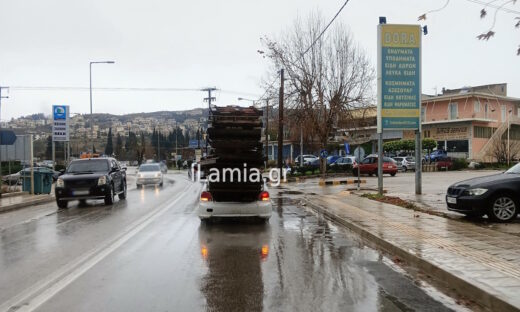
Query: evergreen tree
{"points": [[119, 147], [48, 149], [109, 148]]}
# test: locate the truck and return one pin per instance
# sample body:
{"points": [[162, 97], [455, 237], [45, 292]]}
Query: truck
{"points": [[234, 186]]}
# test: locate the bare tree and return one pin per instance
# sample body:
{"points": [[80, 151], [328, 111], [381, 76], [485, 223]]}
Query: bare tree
{"points": [[496, 6], [327, 80], [499, 150]]}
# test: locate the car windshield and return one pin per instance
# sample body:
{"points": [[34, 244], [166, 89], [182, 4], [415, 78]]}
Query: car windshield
{"points": [[515, 169], [148, 168], [410, 159], [91, 165]]}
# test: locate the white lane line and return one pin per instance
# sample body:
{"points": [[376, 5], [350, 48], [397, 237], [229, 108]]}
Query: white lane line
{"points": [[46, 288]]}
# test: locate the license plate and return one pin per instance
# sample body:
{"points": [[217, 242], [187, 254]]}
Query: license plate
{"points": [[79, 193], [451, 200]]}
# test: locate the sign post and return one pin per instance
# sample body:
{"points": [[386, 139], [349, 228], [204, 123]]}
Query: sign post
{"points": [[399, 88], [60, 127]]}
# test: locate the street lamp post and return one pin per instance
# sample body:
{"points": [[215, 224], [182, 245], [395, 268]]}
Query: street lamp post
{"points": [[508, 127], [91, 119]]}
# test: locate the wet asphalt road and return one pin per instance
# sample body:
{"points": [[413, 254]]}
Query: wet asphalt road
{"points": [[151, 253]]}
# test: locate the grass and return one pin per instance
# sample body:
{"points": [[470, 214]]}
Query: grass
{"points": [[390, 200]]}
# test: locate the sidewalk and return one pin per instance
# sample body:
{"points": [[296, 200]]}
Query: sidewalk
{"points": [[479, 263], [24, 200]]}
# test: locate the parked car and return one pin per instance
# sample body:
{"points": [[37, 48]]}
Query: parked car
{"points": [[307, 159], [345, 161], [91, 178], [331, 159], [436, 155], [444, 163], [405, 163], [495, 195], [369, 165], [149, 174], [12, 179]]}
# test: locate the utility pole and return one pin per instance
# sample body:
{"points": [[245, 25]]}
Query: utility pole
{"points": [[280, 123], [209, 99], [158, 144], [1, 97], [266, 132]]}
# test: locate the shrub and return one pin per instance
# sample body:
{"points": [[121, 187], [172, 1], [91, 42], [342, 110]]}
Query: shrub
{"points": [[459, 163]]}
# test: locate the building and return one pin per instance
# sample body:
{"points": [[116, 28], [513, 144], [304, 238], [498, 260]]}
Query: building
{"points": [[465, 122]]}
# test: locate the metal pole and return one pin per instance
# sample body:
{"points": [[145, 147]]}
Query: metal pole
{"points": [[53, 154], [280, 123], [358, 163], [158, 145], [91, 119], [418, 163], [301, 146], [31, 151], [508, 126], [266, 132], [380, 164]]}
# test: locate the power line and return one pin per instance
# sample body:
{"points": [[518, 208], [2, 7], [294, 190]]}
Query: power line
{"points": [[324, 30]]}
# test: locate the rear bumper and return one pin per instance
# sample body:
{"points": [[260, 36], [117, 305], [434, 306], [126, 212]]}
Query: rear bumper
{"points": [[262, 209]]}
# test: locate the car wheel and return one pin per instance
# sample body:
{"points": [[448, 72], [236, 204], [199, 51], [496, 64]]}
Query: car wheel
{"points": [[109, 199], [404, 168], [62, 203], [123, 195], [393, 174], [503, 208], [138, 186]]}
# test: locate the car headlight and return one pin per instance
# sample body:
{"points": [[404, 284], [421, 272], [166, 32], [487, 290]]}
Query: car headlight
{"points": [[476, 191], [158, 174], [60, 183], [102, 180]]}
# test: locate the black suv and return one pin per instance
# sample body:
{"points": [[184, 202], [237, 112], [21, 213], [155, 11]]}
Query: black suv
{"points": [[92, 178]]}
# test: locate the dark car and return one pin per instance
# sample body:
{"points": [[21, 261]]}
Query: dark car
{"points": [[494, 195], [91, 178]]}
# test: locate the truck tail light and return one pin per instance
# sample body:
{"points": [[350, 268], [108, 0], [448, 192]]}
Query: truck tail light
{"points": [[206, 196], [264, 196]]}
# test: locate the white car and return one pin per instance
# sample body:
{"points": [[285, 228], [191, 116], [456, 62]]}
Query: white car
{"points": [[149, 174], [307, 159], [209, 208]]}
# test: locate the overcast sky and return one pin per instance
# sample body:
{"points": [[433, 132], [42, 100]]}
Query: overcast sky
{"points": [[194, 44]]}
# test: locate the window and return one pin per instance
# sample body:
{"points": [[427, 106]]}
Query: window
{"points": [[483, 132], [503, 111], [461, 146], [453, 110], [477, 107], [423, 113], [426, 133], [486, 110]]}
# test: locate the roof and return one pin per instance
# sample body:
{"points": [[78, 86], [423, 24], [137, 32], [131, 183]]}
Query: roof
{"points": [[450, 97]]}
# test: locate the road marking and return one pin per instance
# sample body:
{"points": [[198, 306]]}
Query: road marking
{"points": [[45, 289]]}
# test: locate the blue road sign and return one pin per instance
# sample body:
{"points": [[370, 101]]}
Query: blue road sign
{"points": [[324, 154], [7, 137], [59, 112]]}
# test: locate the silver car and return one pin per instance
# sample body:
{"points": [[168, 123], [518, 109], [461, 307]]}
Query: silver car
{"points": [[149, 174], [405, 163]]}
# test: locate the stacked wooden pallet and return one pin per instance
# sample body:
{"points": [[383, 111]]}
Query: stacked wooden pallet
{"points": [[234, 136]]}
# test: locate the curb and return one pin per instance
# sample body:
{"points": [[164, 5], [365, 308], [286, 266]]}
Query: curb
{"points": [[37, 201], [6, 195], [340, 182], [462, 286]]}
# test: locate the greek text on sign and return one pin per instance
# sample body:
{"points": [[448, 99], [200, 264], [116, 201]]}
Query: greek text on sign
{"points": [[60, 123], [399, 73]]}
